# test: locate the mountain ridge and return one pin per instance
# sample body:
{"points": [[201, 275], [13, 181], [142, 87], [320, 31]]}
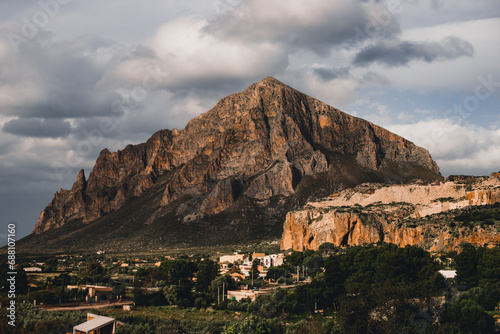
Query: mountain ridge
{"points": [[429, 216], [269, 143]]}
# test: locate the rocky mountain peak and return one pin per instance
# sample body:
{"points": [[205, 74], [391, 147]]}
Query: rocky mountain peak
{"points": [[80, 183], [240, 166]]}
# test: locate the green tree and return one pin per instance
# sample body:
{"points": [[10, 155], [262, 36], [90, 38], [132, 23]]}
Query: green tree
{"points": [[466, 262], [468, 316], [255, 325], [177, 271], [219, 282], [327, 248], [488, 267], [487, 296], [180, 295], [255, 270], [206, 273], [50, 265], [275, 273]]}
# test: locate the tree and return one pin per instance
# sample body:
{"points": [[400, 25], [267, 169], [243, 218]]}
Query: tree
{"points": [[470, 317], [255, 271], [313, 264], [179, 270], [221, 281], [467, 265], [488, 268], [327, 248], [207, 272], [275, 273], [50, 265], [178, 295], [254, 325]]}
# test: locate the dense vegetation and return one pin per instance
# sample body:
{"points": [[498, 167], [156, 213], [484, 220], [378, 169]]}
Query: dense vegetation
{"points": [[371, 289]]}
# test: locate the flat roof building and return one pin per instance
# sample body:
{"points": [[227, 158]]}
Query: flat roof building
{"points": [[97, 324]]}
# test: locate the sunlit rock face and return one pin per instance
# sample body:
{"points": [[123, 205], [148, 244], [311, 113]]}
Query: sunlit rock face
{"points": [[252, 158]]}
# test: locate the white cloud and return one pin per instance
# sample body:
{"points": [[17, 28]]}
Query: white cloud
{"points": [[67, 72], [405, 117], [423, 111], [458, 74], [337, 92], [457, 148], [190, 52]]}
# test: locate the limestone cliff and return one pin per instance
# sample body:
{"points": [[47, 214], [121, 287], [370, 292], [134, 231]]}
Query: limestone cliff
{"points": [[413, 214], [246, 162]]}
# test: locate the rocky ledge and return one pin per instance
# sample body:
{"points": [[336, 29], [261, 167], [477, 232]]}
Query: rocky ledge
{"points": [[430, 216]]}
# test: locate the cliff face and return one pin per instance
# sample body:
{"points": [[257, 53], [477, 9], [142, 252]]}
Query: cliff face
{"points": [[267, 149], [404, 215]]}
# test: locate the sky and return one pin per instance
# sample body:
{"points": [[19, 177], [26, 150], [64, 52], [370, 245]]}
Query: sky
{"points": [[80, 76]]}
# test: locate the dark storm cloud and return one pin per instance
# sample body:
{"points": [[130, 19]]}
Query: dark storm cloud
{"points": [[72, 103], [42, 128], [393, 54], [319, 26], [330, 73], [66, 77]]}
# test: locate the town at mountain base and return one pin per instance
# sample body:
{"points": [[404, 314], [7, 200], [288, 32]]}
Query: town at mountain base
{"points": [[229, 176]]}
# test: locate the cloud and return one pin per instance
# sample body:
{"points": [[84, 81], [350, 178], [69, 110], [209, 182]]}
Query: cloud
{"points": [[327, 73], [375, 78], [194, 56], [397, 53], [30, 127], [457, 148], [60, 81], [318, 26], [176, 59]]}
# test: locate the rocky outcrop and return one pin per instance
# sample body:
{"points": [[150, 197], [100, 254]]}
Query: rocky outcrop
{"points": [[373, 213], [269, 144]]}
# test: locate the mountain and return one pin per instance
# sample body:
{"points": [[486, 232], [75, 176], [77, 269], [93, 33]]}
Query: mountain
{"points": [[229, 176], [437, 217]]}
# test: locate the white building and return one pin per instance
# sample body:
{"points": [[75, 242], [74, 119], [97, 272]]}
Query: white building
{"points": [[241, 294], [246, 269], [273, 260], [232, 258], [97, 324], [448, 273]]}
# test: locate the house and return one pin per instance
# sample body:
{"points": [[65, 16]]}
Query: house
{"points": [[237, 276], [224, 265], [259, 257], [241, 294], [262, 271], [252, 294], [273, 260], [32, 269], [232, 258], [97, 324], [246, 268], [97, 294], [448, 273]]}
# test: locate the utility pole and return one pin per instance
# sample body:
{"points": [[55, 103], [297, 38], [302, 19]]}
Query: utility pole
{"points": [[218, 294], [298, 273], [252, 275], [223, 289]]}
